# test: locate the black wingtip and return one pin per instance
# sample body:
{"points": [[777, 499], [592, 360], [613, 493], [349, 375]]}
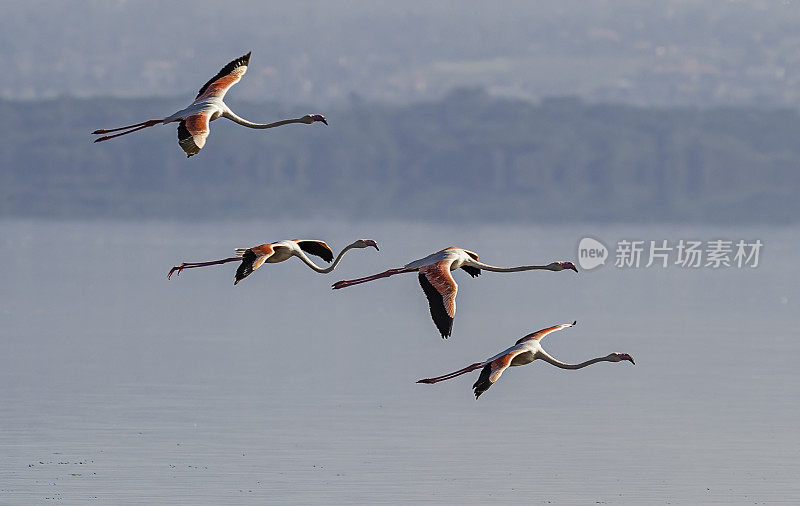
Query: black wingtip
{"points": [[227, 69], [483, 383], [246, 267], [472, 271], [317, 248], [442, 320]]}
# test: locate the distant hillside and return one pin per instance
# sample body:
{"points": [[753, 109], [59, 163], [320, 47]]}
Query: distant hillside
{"points": [[467, 157], [662, 53]]}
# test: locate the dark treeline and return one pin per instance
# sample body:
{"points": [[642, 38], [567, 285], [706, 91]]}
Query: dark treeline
{"points": [[468, 156]]}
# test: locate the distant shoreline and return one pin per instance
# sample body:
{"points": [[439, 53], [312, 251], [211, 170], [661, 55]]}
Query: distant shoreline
{"points": [[467, 157]]}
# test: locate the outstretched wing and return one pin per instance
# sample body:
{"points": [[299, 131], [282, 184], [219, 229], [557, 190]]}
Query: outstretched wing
{"points": [[230, 74], [539, 334], [317, 248], [493, 370], [252, 259], [439, 286], [472, 271], [193, 132]]}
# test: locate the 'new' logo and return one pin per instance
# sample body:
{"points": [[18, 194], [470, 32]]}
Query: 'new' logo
{"points": [[591, 253]]}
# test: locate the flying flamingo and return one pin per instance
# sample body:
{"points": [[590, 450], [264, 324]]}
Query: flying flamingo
{"points": [[439, 285], [272, 253], [207, 106], [525, 351]]}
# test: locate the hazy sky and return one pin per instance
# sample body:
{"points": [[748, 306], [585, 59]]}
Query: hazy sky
{"points": [[671, 52]]}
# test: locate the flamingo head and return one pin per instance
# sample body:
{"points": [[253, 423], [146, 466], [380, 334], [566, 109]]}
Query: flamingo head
{"points": [[560, 266], [619, 357], [311, 118], [366, 243]]}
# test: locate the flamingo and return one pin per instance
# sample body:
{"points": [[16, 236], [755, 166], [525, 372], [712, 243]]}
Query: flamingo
{"points": [[253, 258], [438, 284], [524, 351], [207, 106]]}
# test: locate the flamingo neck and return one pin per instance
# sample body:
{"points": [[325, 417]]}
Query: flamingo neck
{"points": [[249, 124], [301, 254], [563, 365], [492, 268]]}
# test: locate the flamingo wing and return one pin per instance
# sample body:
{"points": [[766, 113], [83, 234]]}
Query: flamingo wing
{"points": [[252, 259], [539, 334], [193, 132], [316, 248], [472, 271], [230, 74], [440, 288], [493, 370]]}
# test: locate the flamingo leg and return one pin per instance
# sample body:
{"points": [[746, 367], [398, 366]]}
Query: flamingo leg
{"points": [[358, 281], [469, 368], [191, 265], [150, 122], [106, 137]]}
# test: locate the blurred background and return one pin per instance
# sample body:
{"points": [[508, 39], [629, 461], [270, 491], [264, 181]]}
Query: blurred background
{"points": [[561, 111], [670, 53], [513, 129]]}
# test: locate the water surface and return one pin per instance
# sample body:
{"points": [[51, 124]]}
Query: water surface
{"points": [[121, 387]]}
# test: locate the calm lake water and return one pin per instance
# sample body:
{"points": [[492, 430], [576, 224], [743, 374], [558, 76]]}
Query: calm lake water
{"points": [[118, 386]]}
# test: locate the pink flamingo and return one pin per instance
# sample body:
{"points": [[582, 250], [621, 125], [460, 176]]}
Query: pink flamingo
{"points": [[271, 253], [525, 351], [193, 128], [438, 284]]}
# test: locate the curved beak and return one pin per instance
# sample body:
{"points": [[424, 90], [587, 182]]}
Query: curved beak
{"points": [[631, 359], [324, 120], [372, 243], [568, 265]]}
